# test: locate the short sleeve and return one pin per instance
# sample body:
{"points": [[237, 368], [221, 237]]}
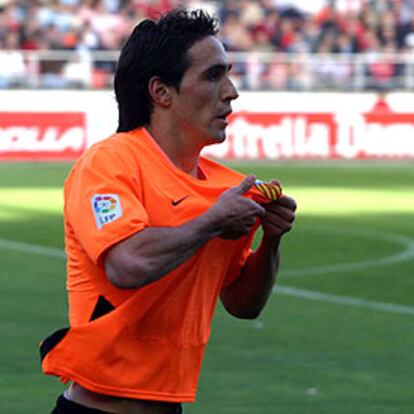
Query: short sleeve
{"points": [[103, 200]]}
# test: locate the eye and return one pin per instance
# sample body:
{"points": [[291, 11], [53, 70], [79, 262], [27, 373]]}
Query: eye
{"points": [[214, 74]]}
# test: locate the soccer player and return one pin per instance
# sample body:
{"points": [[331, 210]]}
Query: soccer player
{"points": [[155, 233]]}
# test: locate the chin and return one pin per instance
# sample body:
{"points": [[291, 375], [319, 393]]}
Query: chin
{"points": [[212, 137], [218, 137]]}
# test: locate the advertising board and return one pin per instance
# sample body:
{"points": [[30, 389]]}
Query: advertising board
{"points": [[60, 125]]}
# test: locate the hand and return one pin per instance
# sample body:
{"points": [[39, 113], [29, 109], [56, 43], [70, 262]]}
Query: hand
{"points": [[279, 217], [234, 213]]}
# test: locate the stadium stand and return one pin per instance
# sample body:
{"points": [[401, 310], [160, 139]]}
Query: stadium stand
{"points": [[275, 44]]}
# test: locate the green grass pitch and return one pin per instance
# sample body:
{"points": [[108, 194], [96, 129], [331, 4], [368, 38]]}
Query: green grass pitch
{"points": [[337, 337]]}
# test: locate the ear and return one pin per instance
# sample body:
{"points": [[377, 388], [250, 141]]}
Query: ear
{"points": [[159, 92]]}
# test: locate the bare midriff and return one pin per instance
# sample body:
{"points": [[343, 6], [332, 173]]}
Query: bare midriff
{"points": [[107, 403]]}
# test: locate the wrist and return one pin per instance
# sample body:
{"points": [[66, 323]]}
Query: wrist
{"points": [[270, 242], [208, 224]]}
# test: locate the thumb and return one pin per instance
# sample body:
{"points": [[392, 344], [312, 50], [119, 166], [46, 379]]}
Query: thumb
{"points": [[246, 184]]}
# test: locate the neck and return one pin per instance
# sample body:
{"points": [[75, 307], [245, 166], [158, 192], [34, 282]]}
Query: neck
{"points": [[178, 149]]}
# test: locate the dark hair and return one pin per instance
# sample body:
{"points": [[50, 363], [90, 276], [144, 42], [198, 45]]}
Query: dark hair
{"points": [[156, 48]]}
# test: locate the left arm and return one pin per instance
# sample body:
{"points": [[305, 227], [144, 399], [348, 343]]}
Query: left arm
{"points": [[247, 295]]}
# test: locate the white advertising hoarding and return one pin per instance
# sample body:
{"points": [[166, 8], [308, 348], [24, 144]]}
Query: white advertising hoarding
{"points": [[60, 125]]}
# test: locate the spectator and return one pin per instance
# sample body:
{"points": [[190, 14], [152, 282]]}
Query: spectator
{"points": [[78, 71], [285, 36], [382, 70], [283, 22], [311, 33], [342, 27], [268, 26], [12, 65], [280, 20], [88, 38], [235, 35], [110, 27]]}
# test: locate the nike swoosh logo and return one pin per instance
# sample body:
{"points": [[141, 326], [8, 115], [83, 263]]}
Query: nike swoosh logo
{"points": [[176, 202]]}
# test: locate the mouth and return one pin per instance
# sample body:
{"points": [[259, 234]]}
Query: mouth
{"points": [[224, 115]]}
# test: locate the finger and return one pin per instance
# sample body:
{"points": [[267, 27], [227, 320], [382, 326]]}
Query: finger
{"points": [[246, 184], [254, 208], [283, 212], [277, 223], [277, 182], [259, 210], [288, 202], [249, 221]]}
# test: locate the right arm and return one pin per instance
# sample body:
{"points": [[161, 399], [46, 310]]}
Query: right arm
{"points": [[153, 252]]}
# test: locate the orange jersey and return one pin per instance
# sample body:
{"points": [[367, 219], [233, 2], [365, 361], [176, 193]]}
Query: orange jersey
{"points": [[145, 343]]}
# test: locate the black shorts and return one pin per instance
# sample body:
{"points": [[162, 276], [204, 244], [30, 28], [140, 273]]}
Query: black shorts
{"points": [[65, 406]]}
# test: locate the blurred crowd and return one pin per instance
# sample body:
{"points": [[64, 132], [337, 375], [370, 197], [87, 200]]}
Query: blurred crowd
{"points": [[283, 30]]}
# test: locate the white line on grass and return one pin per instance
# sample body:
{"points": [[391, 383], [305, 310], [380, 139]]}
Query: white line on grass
{"points": [[407, 254], [344, 300], [32, 248], [400, 257]]}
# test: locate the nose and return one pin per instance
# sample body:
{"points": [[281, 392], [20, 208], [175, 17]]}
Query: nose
{"points": [[229, 90]]}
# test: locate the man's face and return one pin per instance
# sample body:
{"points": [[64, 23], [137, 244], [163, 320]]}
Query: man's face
{"points": [[203, 102]]}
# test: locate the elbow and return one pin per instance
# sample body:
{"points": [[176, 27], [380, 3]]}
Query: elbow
{"points": [[248, 315], [240, 307], [245, 313], [122, 280]]}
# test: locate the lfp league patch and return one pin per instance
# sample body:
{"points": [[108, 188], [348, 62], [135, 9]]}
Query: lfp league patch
{"points": [[106, 208]]}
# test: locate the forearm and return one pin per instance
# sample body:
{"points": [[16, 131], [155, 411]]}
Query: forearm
{"points": [[153, 252], [247, 296], [156, 251]]}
